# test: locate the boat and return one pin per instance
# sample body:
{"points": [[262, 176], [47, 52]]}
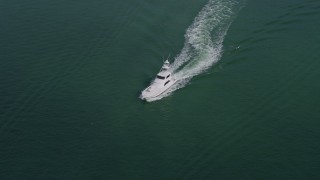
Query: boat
{"points": [[160, 84]]}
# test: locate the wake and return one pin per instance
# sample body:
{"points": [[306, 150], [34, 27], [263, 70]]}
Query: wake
{"points": [[203, 42]]}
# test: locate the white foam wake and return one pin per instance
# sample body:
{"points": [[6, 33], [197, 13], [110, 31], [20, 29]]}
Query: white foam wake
{"points": [[203, 42]]}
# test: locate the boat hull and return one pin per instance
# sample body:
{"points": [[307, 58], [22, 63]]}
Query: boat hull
{"points": [[155, 91]]}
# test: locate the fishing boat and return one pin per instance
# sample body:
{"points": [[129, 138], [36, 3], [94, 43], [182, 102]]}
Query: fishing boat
{"points": [[160, 84]]}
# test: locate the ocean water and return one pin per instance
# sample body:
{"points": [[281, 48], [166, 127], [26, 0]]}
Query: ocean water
{"points": [[247, 104]]}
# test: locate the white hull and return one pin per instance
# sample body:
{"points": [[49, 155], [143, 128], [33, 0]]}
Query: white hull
{"points": [[145, 95]]}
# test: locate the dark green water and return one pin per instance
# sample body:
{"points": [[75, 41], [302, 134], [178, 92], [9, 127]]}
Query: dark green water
{"points": [[71, 73]]}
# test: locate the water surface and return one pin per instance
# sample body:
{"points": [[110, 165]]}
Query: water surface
{"points": [[247, 106]]}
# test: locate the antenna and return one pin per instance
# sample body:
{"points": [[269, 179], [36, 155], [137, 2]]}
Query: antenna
{"points": [[168, 57]]}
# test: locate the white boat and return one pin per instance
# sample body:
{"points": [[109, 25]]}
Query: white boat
{"points": [[160, 84]]}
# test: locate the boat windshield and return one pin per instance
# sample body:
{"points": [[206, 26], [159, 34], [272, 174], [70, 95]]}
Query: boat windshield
{"points": [[160, 77], [164, 69]]}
